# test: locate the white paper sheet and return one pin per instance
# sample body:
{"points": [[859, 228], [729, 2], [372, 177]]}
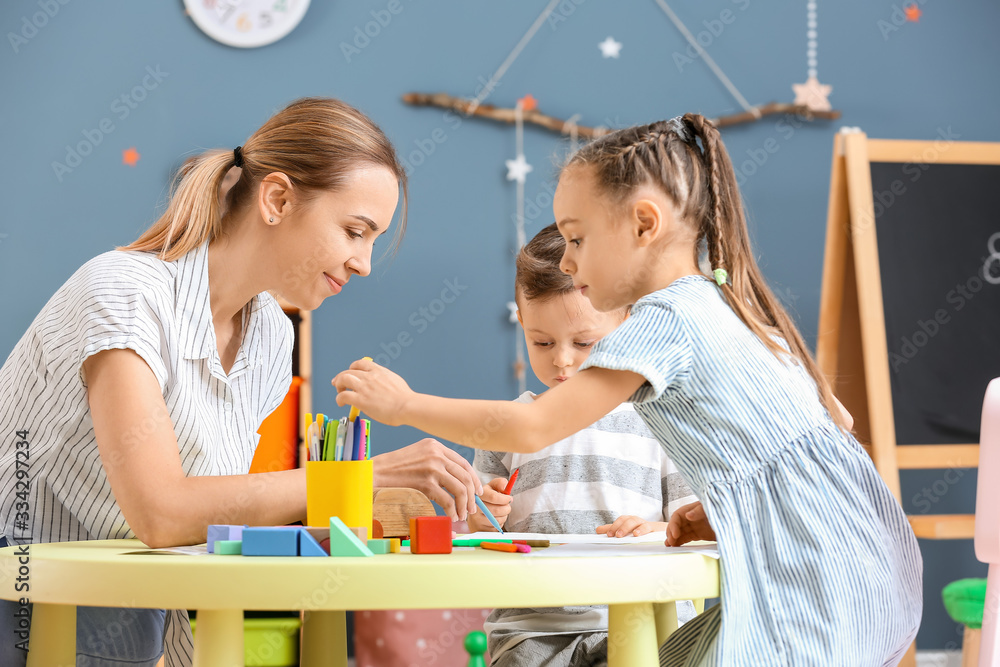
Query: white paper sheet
{"points": [[618, 550], [572, 538], [197, 550]]}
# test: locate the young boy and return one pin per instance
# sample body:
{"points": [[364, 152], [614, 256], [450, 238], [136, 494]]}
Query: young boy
{"points": [[612, 477]]}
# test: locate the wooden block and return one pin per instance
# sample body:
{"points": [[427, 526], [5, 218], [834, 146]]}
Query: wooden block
{"points": [[228, 547], [222, 532], [430, 535], [326, 545], [377, 532], [394, 545], [379, 546], [343, 542], [270, 541], [360, 533], [393, 507], [308, 546]]}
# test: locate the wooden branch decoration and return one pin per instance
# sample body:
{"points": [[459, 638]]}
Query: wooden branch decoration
{"points": [[504, 115]]}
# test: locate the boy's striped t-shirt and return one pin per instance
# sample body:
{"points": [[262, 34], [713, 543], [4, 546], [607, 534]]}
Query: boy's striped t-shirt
{"points": [[613, 467]]}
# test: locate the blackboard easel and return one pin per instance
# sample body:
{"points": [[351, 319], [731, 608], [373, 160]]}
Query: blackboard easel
{"points": [[875, 371]]}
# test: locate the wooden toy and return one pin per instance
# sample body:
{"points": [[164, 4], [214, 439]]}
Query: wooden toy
{"points": [[326, 545], [343, 542], [361, 533], [377, 531], [430, 535], [219, 532], [308, 546], [270, 541], [379, 546], [475, 645], [228, 547], [394, 545]]}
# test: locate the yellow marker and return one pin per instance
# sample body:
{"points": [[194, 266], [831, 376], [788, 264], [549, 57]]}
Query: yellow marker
{"points": [[356, 411], [305, 427]]}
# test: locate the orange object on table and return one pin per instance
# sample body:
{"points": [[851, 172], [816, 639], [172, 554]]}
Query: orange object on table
{"points": [[279, 435], [430, 535]]}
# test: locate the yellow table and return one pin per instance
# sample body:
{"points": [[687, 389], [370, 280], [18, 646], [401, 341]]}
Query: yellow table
{"points": [[640, 592]]}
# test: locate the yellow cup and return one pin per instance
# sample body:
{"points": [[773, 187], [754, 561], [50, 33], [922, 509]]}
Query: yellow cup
{"points": [[340, 488]]}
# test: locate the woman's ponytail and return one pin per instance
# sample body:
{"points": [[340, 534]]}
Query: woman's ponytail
{"points": [[193, 215]]}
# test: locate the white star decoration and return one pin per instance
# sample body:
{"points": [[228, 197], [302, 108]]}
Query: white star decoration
{"points": [[813, 94], [610, 48], [512, 307], [517, 170]]}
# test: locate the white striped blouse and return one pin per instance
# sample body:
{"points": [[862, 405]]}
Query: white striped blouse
{"points": [[161, 311]]}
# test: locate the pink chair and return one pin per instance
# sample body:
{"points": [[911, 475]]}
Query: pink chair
{"points": [[988, 522]]}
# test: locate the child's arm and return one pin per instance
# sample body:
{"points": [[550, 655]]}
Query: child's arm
{"points": [[496, 501], [501, 425], [631, 525]]}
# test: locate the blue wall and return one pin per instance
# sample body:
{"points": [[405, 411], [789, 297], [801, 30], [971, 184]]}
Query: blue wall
{"points": [[894, 81]]}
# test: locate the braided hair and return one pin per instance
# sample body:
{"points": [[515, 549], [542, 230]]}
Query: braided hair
{"points": [[686, 159]]}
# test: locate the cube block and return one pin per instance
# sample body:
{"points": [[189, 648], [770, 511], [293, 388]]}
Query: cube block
{"points": [[228, 547], [220, 532], [379, 546], [430, 535]]}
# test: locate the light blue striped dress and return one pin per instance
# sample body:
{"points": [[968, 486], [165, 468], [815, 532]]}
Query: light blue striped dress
{"points": [[819, 564]]}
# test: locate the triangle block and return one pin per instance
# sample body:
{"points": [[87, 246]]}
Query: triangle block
{"points": [[308, 546], [343, 542]]}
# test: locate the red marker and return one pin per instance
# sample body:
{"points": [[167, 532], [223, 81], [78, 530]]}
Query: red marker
{"points": [[510, 484]]}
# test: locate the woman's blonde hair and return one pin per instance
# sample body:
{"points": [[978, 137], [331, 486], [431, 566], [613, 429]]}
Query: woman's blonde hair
{"points": [[315, 141], [702, 184]]}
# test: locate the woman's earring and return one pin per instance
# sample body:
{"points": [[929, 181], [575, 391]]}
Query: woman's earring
{"points": [[270, 219]]}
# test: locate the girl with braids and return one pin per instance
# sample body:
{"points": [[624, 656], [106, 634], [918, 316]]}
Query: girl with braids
{"points": [[819, 564], [144, 379]]}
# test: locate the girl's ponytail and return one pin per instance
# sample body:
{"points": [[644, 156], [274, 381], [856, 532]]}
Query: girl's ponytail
{"points": [[701, 182], [728, 241]]}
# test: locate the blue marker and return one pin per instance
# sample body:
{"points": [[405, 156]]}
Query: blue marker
{"points": [[488, 514]]}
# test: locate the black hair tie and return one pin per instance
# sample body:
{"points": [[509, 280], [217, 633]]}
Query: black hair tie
{"points": [[238, 156]]}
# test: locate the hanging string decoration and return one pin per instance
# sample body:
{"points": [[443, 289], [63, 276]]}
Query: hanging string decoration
{"points": [[812, 93]]}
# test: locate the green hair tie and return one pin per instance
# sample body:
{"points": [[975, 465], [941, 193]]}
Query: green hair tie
{"points": [[720, 276]]}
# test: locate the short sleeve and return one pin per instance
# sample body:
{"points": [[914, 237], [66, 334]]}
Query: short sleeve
{"points": [[94, 312], [651, 342]]}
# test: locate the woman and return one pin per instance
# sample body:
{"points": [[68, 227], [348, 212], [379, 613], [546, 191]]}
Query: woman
{"points": [[138, 390]]}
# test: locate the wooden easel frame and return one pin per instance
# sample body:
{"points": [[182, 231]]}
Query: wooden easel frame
{"points": [[851, 346]]}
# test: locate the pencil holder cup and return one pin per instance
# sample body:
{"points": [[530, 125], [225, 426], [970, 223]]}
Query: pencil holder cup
{"points": [[340, 488]]}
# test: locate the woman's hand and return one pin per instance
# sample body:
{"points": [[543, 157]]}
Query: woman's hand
{"points": [[629, 525], [687, 524], [374, 389], [497, 502], [436, 471]]}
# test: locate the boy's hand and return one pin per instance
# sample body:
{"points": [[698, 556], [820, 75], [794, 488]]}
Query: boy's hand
{"points": [[687, 524], [496, 501], [373, 389], [629, 525]]}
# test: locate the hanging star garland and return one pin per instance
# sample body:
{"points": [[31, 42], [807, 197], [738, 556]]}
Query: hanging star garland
{"points": [[610, 48], [812, 94], [517, 170]]}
